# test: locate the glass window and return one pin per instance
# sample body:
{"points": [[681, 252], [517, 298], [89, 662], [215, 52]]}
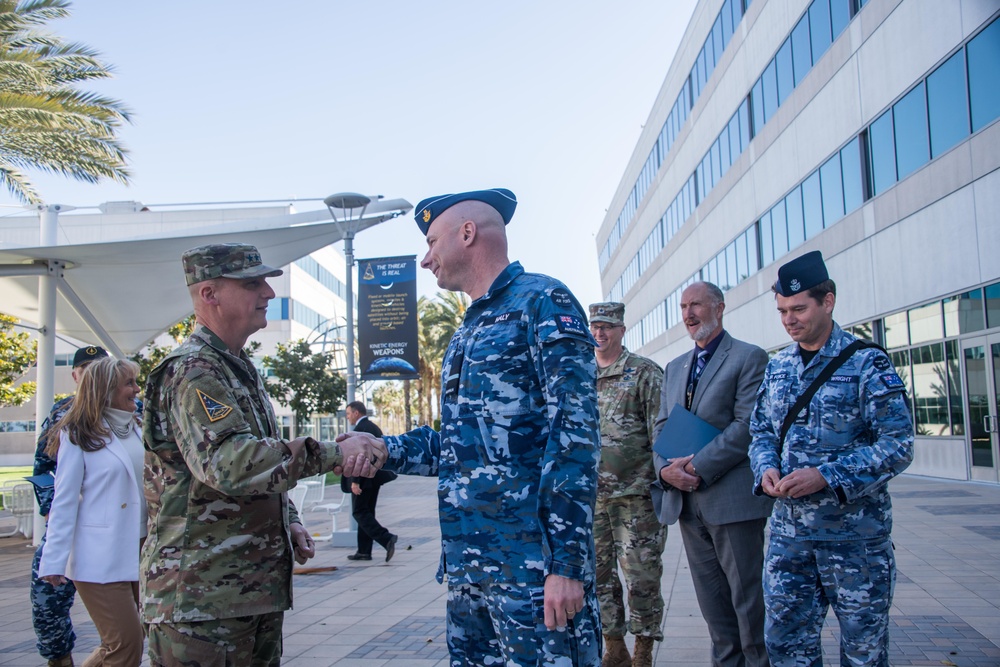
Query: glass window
{"points": [[770, 79], [780, 229], [883, 153], [948, 104], [909, 115], [725, 158], [766, 239], [744, 114], [957, 408], [783, 63], [742, 270], [801, 49], [926, 323], [757, 103], [930, 377], [699, 173], [812, 205], [850, 164], [752, 255], [718, 45], [840, 16], [796, 226], [833, 190], [716, 163], [984, 76], [901, 360], [896, 333], [737, 12], [727, 21], [819, 28], [993, 305], [864, 331], [734, 138], [964, 313], [733, 277], [277, 309]]}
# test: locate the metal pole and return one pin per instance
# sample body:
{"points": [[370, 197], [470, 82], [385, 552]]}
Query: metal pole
{"points": [[349, 258], [45, 360]]}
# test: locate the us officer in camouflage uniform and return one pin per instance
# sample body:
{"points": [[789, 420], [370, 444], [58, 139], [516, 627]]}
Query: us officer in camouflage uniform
{"points": [[50, 605], [830, 527], [626, 529], [216, 568], [516, 458]]}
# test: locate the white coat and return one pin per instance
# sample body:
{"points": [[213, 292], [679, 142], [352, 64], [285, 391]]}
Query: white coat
{"points": [[97, 514]]}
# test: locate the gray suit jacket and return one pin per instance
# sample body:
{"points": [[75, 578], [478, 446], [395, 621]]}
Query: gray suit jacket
{"points": [[724, 397]]}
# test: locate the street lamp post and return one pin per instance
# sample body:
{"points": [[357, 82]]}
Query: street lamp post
{"points": [[348, 203]]}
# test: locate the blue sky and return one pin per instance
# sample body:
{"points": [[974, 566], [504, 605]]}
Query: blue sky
{"points": [[238, 101]]}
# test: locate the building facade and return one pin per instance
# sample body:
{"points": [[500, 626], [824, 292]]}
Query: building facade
{"points": [[310, 304], [866, 129]]}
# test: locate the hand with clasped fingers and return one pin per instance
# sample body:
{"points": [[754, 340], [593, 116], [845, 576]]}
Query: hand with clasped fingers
{"points": [[795, 484]]}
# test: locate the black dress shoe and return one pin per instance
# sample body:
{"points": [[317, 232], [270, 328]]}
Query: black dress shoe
{"points": [[390, 548], [359, 557]]}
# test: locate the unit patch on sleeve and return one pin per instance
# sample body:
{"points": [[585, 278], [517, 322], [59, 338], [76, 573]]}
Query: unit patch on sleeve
{"points": [[571, 324], [215, 410], [561, 298], [880, 363], [892, 381]]}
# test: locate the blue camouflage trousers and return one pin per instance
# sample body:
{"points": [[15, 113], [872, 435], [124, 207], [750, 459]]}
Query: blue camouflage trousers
{"points": [[802, 578], [504, 625], [50, 607]]}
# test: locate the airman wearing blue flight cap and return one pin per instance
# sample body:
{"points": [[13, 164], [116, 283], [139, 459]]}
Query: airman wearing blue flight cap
{"points": [[502, 199]]}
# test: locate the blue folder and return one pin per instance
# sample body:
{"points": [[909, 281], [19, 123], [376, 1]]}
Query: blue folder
{"points": [[43, 481], [684, 433]]}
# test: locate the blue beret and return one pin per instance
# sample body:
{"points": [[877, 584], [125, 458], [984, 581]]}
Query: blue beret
{"points": [[429, 209], [801, 273]]}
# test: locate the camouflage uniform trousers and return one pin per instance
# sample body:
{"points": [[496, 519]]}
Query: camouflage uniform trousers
{"points": [[50, 607], [627, 531], [504, 624], [803, 578], [246, 641]]}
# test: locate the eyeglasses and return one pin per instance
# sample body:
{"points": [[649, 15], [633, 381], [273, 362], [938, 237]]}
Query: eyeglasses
{"points": [[594, 328]]}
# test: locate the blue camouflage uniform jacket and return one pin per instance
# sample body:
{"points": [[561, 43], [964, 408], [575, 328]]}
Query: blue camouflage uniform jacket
{"points": [[857, 431], [44, 464], [517, 454]]}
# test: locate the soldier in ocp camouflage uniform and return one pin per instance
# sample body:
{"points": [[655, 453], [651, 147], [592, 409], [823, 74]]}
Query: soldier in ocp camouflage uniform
{"points": [[830, 528], [50, 605], [217, 564], [626, 529], [516, 458]]}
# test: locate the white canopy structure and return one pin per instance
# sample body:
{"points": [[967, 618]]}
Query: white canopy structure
{"points": [[123, 293]]}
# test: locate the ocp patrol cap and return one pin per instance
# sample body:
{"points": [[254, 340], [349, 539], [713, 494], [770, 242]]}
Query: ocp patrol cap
{"points": [[612, 312], [225, 260], [801, 273], [429, 209]]}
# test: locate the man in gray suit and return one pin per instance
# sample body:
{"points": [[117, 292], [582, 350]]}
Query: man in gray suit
{"points": [[711, 491]]}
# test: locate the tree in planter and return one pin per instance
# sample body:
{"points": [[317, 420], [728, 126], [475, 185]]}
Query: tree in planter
{"points": [[17, 355], [304, 381]]}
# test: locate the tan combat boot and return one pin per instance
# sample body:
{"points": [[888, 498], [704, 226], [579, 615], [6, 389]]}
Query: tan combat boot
{"points": [[643, 652], [65, 661], [616, 653]]}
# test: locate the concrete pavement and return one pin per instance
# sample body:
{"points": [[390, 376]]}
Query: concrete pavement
{"points": [[946, 609]]}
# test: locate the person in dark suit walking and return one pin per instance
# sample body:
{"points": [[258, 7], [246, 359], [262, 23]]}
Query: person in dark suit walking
{"points": [[364, 493], [711, 491]]}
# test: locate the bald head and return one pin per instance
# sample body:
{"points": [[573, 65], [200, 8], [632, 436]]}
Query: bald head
{"points": [[467, 247]]}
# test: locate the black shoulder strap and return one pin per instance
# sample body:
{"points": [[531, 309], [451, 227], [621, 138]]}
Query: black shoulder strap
{"points": [[820, 380]]}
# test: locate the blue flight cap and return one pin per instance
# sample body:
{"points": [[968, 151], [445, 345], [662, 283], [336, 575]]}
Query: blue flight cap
{"points": [[429, 209], [801, 273]]}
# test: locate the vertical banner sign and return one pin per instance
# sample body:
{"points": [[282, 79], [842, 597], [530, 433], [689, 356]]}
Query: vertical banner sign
{"points": [[387, 318]]}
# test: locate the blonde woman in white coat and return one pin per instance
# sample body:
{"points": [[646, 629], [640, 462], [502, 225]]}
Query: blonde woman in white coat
{"points": [[98, 516]]}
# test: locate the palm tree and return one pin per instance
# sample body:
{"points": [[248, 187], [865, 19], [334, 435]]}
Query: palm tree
{"points": [[438, 320], [45, 122]]}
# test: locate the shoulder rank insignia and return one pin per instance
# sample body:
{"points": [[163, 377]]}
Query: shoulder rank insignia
{"points": [[213, 408]]}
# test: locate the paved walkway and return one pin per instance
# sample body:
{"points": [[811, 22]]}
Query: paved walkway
{"points": [[946, 609]]}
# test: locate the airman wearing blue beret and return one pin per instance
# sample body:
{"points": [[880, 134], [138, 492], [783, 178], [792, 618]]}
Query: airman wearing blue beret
{"points": [[828, 465], [517, 452]]}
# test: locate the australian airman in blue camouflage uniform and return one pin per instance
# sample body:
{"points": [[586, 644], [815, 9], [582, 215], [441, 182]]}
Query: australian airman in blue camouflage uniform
{"points": [[50, 605], [830, 540], [516, 459]]}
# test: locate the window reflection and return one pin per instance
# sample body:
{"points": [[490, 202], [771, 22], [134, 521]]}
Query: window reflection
{"points": [[948, 104], [909, 115], [964, 313], [926, 323], [930, 390], [984, 76]]}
